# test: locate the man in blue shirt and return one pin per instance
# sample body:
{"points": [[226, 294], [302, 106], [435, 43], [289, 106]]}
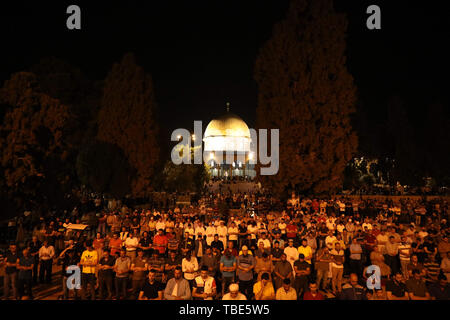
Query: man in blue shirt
{"points": [[228, 268]]}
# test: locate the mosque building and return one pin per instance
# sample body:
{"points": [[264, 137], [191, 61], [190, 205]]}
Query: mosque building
{"points": [[229, 133]]}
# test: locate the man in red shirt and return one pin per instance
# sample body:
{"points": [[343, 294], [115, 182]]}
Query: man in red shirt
{"points": [[115, 244], [313, 293], [370, 240], [291, 230], [160, 242]]}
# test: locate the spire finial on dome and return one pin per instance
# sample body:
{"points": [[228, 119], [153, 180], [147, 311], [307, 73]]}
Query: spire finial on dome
{"points": [[228, 107]]}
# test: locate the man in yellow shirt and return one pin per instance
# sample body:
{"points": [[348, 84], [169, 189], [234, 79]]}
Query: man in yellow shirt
{"points": [[263, 290], [286, 291], [305, 250], [89, 260]]}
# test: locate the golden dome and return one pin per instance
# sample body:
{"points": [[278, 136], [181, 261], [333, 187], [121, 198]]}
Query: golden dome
{"points": [[229, 125]]}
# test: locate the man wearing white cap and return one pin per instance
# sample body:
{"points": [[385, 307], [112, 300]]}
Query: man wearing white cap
{"points": [[234, 293]]}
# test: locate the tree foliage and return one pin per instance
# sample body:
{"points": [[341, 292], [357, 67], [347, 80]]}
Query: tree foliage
{"points": [[33, 142], [184, 177], [306, 91], [103, 168], [127, 119]]}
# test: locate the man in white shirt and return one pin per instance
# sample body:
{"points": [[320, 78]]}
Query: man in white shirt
{"points": [[234, 293], [189, 266], [423, 233], [210, 232], [233, 233], [330, 240], [222, 232], [160, 224], [382, 238], [330, 224], [265, 241], [199, 230], [291, 253], [46, 255], [131, 243], [367, 224], [337, 267], [404, 252], [190, 230]]}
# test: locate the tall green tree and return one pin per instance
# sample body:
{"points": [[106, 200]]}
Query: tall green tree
{"points": [[306, 91], [127, 119]]}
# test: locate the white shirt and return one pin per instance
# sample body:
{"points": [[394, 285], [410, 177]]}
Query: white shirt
{"points": [[199, 229], [368, 225], [222, 232], [208, 285], [329, 241], [233, 236], [291, 253], [160, 225], [46, 253], [240, 296], [210, 232], [131, 243], [330, 225], [252, 230], [266, 243], [190, 231], [189, 265]]}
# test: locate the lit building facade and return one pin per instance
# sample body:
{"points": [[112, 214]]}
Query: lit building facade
{"points": [[229, 134]]}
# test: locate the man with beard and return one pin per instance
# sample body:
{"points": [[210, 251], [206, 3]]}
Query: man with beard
{"points": [[152, 289], [105, 274], [396, 288], [204, 286], [302, 271], [286, 292], [283, 270], [177, 288], [139, 267], [170, 264]]}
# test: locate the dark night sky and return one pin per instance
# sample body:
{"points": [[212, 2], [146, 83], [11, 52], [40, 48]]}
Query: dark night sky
{"points": [[201, 53]]}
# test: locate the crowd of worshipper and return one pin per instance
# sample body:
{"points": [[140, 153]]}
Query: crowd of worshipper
{"points": [[241, 246]]}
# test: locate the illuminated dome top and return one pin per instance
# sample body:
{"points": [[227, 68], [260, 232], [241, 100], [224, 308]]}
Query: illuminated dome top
{"points": [[228, 125], [227, 133]]}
